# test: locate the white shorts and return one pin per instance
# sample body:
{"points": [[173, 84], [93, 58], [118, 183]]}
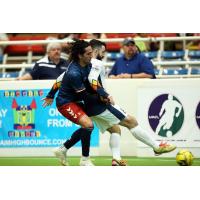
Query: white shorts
{"points": [[111, 116]]}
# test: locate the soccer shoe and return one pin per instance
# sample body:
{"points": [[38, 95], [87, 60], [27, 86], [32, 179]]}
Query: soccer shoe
{"points": [[116, 162], [164, 148], [86, 162], [61, 155]]}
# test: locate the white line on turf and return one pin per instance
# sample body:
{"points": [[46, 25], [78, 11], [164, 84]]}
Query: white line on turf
{"points": [[143, 159]]}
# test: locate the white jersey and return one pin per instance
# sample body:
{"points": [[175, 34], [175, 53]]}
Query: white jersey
{"points": [[113, 114], [97, 70]]}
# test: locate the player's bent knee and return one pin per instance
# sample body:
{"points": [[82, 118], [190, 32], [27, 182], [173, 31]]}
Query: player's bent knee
{"points": [[129, 122], [86, 122], [114, 129], [132, 121], [88, 125]]}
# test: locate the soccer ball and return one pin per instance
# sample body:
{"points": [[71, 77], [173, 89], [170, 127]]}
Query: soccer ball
{"points": [[184, 158]]}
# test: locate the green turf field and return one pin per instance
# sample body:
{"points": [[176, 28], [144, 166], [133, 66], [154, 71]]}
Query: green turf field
{"points": [[98, 161]]}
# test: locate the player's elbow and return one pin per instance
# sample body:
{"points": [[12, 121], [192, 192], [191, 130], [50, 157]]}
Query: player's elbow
{"points": [[25, 77]]}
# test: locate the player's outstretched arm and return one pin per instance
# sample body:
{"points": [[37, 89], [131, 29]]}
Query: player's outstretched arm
{"points": [[47, 102], [55, 86]]}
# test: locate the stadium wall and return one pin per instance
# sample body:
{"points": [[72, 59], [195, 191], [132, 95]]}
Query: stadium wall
{"points": [[179, 123]]}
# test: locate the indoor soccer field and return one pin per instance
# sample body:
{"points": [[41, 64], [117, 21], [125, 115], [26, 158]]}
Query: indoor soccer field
{"points": [[98, 161]]}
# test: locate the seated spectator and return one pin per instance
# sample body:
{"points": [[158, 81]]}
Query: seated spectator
{"points": [[49, 67], [143, 46], [133, 64], [194, 44]]}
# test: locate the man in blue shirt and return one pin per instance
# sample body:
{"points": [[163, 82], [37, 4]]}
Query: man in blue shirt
{"points": [[132, 64]]}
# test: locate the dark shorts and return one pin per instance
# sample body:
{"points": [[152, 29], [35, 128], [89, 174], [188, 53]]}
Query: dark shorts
{"points": [[72, 111]]}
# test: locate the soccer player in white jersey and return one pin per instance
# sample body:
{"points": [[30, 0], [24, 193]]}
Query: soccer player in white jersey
{"points": [[98, 69], [106, 121]]}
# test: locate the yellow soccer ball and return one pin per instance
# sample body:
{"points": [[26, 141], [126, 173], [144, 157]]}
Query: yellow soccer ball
{"points": [[184, 158]]}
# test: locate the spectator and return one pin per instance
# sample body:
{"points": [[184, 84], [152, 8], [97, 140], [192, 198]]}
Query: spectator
{"points": [[3, 37], [194, 44], [133, 64], [49, 67], [143, 46]]}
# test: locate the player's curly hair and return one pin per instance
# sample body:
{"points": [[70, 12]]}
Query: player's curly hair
{"points": [[78, 48]]}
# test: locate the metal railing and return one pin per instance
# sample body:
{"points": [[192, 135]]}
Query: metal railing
{"points": [[107, 40]]}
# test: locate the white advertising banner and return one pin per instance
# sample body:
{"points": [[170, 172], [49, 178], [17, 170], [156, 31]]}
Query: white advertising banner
{"points": [[170, 110]]}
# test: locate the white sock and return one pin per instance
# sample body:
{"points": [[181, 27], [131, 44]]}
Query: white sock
{"points": [[144, 136], [115, 145]]}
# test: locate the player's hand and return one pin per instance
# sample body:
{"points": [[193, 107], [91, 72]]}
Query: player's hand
{"points": [[47, 101], [111, 100], [113, 77], [105, 100], [108, 100], [124, 75]]}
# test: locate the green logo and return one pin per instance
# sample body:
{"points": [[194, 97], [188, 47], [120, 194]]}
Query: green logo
{"points": [[166, 115], [24, 115]]}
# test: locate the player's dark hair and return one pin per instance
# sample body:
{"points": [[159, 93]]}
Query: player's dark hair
{"points": [[96, 44], [78, 48]]}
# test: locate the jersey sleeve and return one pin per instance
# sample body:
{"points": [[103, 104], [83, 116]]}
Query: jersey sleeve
{"points": [[94, 77], [55, 86]]}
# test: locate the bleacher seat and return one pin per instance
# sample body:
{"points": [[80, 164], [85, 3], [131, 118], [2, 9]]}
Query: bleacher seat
{"points": [[9, 75], [175, 71], [113, 55], [195, 71], [23, 49], [125, 35], [173, 55], [151, 54], [115, 46], [194, 54], [156, 71], [1, 58]]}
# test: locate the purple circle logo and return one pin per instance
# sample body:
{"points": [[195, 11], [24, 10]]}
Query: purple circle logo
{"points": [[198, 115], [166, 115]]}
